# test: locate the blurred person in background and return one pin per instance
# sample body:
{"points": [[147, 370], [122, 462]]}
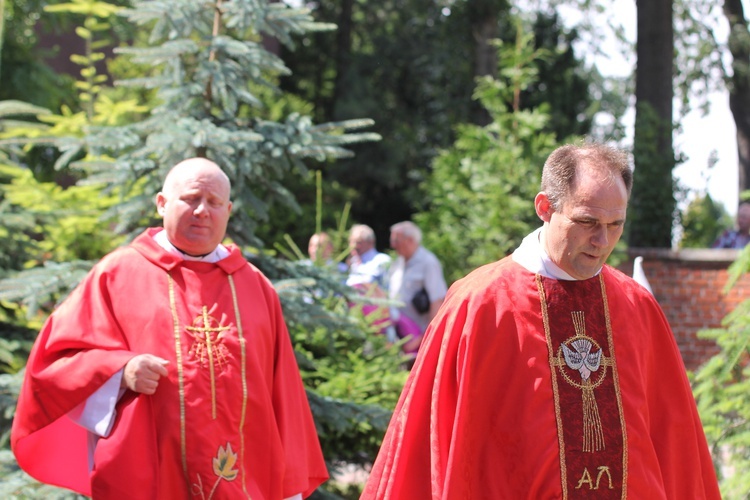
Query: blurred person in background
{"points": [[415, 278]]}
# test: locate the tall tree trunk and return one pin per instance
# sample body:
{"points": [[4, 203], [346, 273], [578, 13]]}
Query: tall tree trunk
{"points": [[2, 32], [652, 203], [343, 51], [483, 16], [739, 85], [485, 54]]}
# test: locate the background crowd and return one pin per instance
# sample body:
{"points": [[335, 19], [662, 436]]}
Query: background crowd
{"points": [[411, 280]]}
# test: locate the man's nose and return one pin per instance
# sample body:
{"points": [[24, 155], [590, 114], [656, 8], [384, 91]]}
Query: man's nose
{"points": [[600, 237], [200, 209]]}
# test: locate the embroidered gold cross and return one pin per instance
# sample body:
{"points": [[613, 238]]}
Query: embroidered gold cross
{"points": [[583, 355], [207, 346]]}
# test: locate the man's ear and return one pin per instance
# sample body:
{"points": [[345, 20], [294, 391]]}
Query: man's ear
{"points": [[543, 206], [161, 201]]}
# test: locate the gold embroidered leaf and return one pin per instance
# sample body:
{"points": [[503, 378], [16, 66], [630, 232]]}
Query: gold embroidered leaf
{"points": [[224, 463]]}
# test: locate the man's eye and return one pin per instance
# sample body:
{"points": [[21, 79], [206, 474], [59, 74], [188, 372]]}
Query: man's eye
{"points": [[586, 223]]}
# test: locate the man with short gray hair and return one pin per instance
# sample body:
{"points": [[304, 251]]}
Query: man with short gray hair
{"points": [[416, 276], [366, 265], [549, 374]]}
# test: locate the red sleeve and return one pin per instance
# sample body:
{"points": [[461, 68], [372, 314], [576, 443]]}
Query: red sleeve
{"points": [[78, 349], [676, 430], [656, 391]]}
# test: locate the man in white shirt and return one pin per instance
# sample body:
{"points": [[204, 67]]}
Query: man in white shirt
{"points": [[416, 270], [366, 264]]}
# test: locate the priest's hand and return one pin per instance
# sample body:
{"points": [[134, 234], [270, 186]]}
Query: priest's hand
{"points": [[142, 373]]}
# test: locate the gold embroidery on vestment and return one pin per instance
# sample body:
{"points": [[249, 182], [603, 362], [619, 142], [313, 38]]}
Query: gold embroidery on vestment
{"points": [[208, 344], [558, 361], [603, 469], [243, 356], [209, 351], [586, 358], [555, 393], [616, 377], [587, 479], [223, 465], [180, 374]]}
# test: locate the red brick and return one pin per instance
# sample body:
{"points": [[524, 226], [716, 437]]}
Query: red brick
{"points": [[689, 287]]}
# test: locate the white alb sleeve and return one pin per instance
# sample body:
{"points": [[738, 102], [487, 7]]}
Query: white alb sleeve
{"points": [[97, 413]]}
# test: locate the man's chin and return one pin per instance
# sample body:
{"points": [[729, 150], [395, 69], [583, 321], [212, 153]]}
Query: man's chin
{"points": [[587, 272], [198, 249]]}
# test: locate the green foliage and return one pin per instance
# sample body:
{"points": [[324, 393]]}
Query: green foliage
{"points": [[211, 74], [353, 375], [68, 224], [313, 213], [23, 72], [699, 66], [90, 84], [722, 391], [482, 188], [411, 66], [652, 203], [15, 247], [361, 377], [48, 222], [15, 345], [14, 349], [17, 484], [202, 60], [564, 86], [703, 221], [50, 226]]}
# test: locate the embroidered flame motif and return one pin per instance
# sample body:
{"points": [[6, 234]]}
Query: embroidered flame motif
{"points": [[208, 347], [224, 463]]}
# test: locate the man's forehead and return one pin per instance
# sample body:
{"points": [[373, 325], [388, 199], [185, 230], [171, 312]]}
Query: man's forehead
{"points": [[203, 183], [584, 210]]}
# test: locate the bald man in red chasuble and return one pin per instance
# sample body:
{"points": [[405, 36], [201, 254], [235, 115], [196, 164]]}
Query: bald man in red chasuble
{"points": [[168, 373]]}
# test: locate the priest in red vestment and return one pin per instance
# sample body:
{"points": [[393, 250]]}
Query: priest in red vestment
{"points": [[549, 374], [168, 373]]}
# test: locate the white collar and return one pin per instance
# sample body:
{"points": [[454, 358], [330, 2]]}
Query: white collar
{"points": [[220, 252], [531, 256]]}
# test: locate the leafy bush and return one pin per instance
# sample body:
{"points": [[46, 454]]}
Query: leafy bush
{"points": [[482, 189], [722, 391]]}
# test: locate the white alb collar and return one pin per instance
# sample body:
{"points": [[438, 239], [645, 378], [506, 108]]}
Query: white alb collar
{"points": [[220, 252], [531, 255]]}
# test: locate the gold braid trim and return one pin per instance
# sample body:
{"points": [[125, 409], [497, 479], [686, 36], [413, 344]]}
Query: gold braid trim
{"points": [[558, 417], [243, 351], [180, 374], [616, 376]]}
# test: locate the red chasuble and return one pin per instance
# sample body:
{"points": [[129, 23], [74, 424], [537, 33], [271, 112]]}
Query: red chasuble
{"points": [[528, 387], [230, 421]]}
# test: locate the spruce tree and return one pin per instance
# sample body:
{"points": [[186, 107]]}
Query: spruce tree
{"points": [[207, 64], [210, 64]]}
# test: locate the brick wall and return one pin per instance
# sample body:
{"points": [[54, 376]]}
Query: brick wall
{"points": [[689, 286]]}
